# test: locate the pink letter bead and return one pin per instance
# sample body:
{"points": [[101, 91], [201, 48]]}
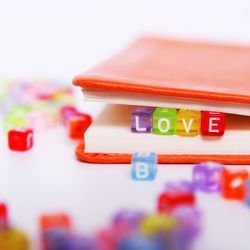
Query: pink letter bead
{"points": [[213, 123], [20, 139]]}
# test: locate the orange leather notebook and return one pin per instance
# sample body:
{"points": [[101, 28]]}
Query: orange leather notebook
{"points": [[172, 73]]}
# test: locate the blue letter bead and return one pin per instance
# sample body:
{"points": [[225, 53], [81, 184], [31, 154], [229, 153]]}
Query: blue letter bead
{"points": [[144, 166], [142, 119]]}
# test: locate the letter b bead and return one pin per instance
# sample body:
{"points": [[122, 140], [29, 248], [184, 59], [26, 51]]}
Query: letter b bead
{"points": [[144, 166]]}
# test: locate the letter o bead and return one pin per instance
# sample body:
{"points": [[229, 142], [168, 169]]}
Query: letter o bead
{"points": [[144, 166]]}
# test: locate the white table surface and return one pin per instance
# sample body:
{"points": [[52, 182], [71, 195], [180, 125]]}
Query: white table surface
{"points": [[58, 39]]}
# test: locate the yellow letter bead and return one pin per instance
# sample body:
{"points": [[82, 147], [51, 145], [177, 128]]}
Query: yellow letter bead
{"points": [[158, 223], [11, 239], [188, 122]]}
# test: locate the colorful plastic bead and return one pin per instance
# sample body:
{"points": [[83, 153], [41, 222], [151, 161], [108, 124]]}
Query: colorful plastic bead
{"points": [[142, 120], [139, 242], [213, 123], [54, 222], [247, 192], [169, 200], [144, 166], [207, 176], [233, 184], [67, 112], [157, 223], [20, 139], [188, 122], [77, 125], [179, 186], [3, 216], [164, 121], [12, 239], [130, 218]]}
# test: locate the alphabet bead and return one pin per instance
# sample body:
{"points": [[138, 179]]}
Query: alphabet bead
{"points": [[164, 121], [188, 122], [3, 216], [20, 139], [207, 176], [144, 166], [169, 200], [77, 125], [141, 119], [213, 123], [233, 184]]}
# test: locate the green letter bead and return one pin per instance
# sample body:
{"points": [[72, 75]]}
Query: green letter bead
{"points": [[164, 121]]}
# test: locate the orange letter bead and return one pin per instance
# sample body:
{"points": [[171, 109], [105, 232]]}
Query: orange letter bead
{"points": [[233, 184]]}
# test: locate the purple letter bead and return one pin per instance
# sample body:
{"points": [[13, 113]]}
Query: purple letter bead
{"points": [[141, 119], [206, 176], [130, 218], [189, 224], [179, 186]]}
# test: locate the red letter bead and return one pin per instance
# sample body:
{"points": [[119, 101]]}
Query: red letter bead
{"points": [[213, 123], [55, 221], [3, 216], [169, 200], [20, 139], [233, 184], [77, 125]]}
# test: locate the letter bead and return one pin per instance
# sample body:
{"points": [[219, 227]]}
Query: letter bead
{"points": [[233, 184], [207, 176], [141, 119], [213, 123], [77, 125], [20, 139], [164, 121], [247, 190], [144, 166], [188, 122], [3, 216]]}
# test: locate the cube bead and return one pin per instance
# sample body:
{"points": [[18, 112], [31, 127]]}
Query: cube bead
{"points": [[142, 119], [188, 122], [169, 200], [213, 123], [77, 125], [20, 139], [179, 186], [164, 121], [144, 166], [207, 176], [247, 192], [233, 184], [67, 112], [3, 216], [54, 222]]}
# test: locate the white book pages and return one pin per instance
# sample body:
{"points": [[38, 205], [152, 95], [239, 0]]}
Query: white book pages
{"points": [[110, 133], [127, 98]]}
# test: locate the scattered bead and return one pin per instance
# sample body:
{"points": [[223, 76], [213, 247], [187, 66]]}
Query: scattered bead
{"points": [[144, 166], [77, 125], [233, 184], [207, 176], [3, 216], [20, 139]]}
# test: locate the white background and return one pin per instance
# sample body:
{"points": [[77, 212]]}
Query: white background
{"points": [[59, 39]]}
